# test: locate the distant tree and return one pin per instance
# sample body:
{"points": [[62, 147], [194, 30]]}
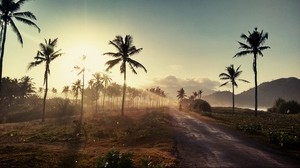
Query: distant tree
{"points": [[66, 91], [46, 54], [125, 49], [200, 93], [97, 85], [181, 95], [54, 91], [254, 45], [40, 91], [76, 86], [10, 10], [231, 76], [195, 94], [26, 86], [106, 80]]}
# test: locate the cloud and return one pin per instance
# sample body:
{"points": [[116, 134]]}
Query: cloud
{"points": [[171, 84]]}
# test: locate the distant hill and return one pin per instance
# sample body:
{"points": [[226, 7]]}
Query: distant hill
{"points": [[268, 92]]}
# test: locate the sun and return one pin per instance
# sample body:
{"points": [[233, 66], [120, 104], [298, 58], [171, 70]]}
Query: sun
{"points": [[94, 61]]}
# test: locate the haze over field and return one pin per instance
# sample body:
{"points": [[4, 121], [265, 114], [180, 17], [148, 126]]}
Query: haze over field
{"points": [[185, 43]]}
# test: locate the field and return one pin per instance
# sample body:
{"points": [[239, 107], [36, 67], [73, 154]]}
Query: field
{"points": [[278, 130], [62, 142]]}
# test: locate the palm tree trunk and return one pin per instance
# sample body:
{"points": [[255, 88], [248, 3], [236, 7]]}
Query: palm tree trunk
{"points": [[124, 91], [104, 98], [3, 36], [232, 98], [45, 96], [255, 81], [82, 93]]}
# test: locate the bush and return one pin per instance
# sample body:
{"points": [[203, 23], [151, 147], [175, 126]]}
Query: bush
{"points": [[200, 105], [285, 107], [115, 159], [283, 139], [147, 163], [249, 128]]}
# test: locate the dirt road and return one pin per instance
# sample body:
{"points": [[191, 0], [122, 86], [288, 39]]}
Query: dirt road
{"points": [[203, 143]]}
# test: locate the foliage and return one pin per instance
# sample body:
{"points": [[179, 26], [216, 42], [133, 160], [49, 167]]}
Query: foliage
{"points": [[115, 159], [200, 105], [284, 139], [285, 107], [250, 128], [146, 162]]}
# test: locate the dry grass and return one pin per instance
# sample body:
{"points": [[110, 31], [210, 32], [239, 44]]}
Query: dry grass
{"points": [[55, 143]]}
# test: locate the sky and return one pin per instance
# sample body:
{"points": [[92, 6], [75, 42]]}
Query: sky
{"points": [[186, 44]]}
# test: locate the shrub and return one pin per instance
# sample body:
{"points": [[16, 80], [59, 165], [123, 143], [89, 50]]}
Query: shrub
{"points": [[285, 107], [147, 163], [283, 139], [115, 159], [249, 128], [200, 105]]}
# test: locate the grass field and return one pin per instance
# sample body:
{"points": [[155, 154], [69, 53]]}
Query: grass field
{"points": [[278, 130], [147, 133]]}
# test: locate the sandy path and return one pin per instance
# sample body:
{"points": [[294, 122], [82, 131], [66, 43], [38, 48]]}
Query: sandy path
{"points": [[202, 143]]}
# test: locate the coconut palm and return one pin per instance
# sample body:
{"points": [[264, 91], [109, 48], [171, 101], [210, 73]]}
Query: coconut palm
{"points": [[200, 93], [231, 76], [76, 86], [97, 85], [180, 95], [10, 10], [125, 49], [66, 91], [54, 91], [106, 80], [254, 45], [46, 54]]}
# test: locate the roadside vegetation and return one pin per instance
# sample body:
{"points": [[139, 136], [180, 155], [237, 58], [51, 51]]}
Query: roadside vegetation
{"points": [[145, 137], [281, 131]]}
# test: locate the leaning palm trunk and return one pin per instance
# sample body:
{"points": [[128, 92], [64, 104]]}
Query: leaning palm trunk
{"points": [[232, 98], [3, 36]]}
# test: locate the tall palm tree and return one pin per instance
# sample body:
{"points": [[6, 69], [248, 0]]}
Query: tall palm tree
{"points": [[125, 49], [180, 95], [46, 54], [254, 45], [200, 93], [106, 80], [231, 76], [10, 10]]}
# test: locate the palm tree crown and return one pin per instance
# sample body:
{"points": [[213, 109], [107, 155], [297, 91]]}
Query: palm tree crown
{"points": [[125, 49]]}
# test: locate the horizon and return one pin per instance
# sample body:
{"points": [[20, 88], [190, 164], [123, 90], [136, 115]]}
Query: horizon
{"points": [[184, 44]]}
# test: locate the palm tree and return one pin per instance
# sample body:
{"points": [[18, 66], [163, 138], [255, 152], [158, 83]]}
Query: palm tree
{"points": [[106, 80], [195, 94], [254, 45], [231, 75], [76, 89], [181, 95], [125, 49], [97, 85], [46, 54], [200, 93], [66, 91], [54, 91], [10, 10]]}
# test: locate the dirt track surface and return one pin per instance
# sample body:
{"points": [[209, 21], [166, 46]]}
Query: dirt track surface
{"points": [[203, 143]]}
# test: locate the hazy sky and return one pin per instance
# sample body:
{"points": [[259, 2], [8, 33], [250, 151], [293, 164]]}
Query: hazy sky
{"points": [[185, 43]]}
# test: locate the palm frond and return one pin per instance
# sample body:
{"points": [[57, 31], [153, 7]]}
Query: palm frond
{"points": [[244, 36], [53, 43], [244, 46], [15, 29], [132, 68], [136, 64], [33, 64], [224, 84], [243, 80], [224, 75], [27, 14], [118, 54], [133, 50], [242, 53], [112, 63], [28, 22]]}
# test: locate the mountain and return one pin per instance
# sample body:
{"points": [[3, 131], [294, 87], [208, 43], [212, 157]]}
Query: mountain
{"points": [[268, 92]]}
